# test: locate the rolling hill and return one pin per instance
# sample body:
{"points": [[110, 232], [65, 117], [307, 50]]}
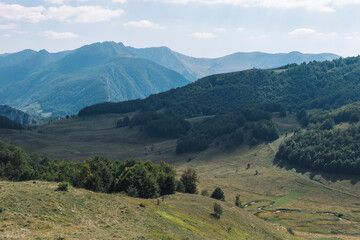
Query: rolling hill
{"points": [[62, 83], [328, 84]]}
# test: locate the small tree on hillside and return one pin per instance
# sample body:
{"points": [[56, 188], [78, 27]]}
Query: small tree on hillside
{"points": [[218, 210], [237, 201], [218, 194], [189, 178]]}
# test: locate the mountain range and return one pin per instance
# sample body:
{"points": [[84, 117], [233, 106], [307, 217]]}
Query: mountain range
{"points": [[63, 83]]}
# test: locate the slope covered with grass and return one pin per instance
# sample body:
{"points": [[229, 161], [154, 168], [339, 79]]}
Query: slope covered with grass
{"points": [[34, 210]]}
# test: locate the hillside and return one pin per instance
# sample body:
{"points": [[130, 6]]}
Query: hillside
{"points": [[89, 75], [35, 210], [195, 68], [308, 202], [326, 84], [17, 115], [62, 83]]}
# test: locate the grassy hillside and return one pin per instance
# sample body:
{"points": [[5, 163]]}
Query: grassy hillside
{"points": [[34, 210], [314, 204]]}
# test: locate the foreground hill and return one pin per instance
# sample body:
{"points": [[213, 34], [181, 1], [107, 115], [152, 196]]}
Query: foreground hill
{"points": [[88, 75], [33, 210], [313, 204]]}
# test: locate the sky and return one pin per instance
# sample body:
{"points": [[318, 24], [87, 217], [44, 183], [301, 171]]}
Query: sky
{"points": [[199, 28]]}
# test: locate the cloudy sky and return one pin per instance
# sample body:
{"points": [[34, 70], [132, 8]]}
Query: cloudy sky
{"points": [[201, 28]]}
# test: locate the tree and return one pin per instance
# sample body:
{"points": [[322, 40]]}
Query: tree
{"points": [[218, 194], [189, 178], [180, 187], [218, 210], [237, 201]]}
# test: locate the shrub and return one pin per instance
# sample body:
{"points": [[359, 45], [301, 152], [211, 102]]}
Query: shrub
{"points": [[180, 187], [218, 194], [205, 193], [218, 210], [237, 201], [63, 187], [290, 230], [189, 179]]}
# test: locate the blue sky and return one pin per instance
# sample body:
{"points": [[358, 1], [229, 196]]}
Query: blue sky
{"points": [[201, 28]]}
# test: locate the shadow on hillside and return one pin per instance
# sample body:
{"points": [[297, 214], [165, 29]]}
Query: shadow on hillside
{"points": [[332, 177]]}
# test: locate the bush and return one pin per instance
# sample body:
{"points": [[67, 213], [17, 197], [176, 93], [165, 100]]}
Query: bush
{"points": [[205, 193], [63, 187], [290, 230], [189, 179], [180, 187], [218, 194], [218, 210], [237, 201]]}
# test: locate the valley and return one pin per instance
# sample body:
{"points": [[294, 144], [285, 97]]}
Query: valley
{"points": [[313, 204]]}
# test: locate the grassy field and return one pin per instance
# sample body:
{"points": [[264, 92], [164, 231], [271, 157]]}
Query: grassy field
{"points": [[314, 205], [34, 210]]}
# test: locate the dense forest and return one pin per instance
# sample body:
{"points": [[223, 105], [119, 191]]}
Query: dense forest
{"points": [[325, 146], [9, 124], [225, 127], [137, 179], [326, 85]]}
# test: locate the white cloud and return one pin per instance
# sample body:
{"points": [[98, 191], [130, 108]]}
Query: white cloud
{"points": [[55, 1], [241, 29], [18, 32], [144, 24], [262, 36], [18, 12], [204, 35], [83, 14], [119, 1], [8, 26], [220, 29], [65, 13], [6, 35], [302, 31], [331, 34], [311, 5], [58, 35]]}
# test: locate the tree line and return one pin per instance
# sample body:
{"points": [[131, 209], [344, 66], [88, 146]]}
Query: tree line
{"points": [[99, 174]]}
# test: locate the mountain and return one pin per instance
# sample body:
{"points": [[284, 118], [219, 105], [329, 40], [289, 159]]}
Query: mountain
{"points": [[195, 68], [326, 84], [17, 115], [63, 83]]}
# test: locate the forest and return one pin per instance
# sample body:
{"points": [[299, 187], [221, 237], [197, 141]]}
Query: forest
{"points": [[324, 145], [99, 174], [325, 85]]}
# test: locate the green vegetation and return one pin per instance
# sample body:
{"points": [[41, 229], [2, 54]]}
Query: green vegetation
{"points": [[36, 211], [218, 210], [9, 124], [64, 187], [291, 197], [325, 85], [218, 194], [189, 178], [138, 179], [323, 147]]}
